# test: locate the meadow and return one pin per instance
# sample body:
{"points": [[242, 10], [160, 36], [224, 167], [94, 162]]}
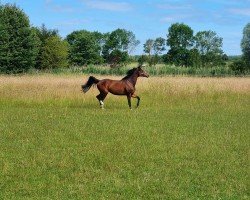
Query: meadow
{"points": [[189, 139]]}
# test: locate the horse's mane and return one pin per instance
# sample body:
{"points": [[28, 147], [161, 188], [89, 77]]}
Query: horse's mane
{"points": [[129, 73]]}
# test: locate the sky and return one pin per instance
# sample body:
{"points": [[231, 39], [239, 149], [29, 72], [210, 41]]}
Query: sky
{"points": [[145, 18]]}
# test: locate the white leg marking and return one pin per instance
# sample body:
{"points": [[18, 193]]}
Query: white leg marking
{"points": [[101, 104]]}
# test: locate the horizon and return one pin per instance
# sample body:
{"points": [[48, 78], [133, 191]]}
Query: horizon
{"points": [[146, 19]]}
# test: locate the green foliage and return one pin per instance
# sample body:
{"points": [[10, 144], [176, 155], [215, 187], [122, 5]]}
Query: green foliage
{"points": [[240, 67], [204, 49], [157, 70], [209, 46], [44, 34], [225, 57], [245, 44], [119, 44], [159, 45], [18, 42], [194, 58], [180, 39], [85, 47], [208, 41], [154, 48], [121, 39], [148, 46], [178, 56], [23, 48], [117, 58], [54, 53], [142, 59], [180, 36]]}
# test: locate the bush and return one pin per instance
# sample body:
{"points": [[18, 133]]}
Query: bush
{"points": [[118, 58], [239, 67], [54, 54], [142, 59]]}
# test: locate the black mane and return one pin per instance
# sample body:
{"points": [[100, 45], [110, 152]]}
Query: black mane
{"points": [[129, 73]]}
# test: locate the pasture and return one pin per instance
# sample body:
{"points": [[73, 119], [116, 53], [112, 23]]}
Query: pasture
{"points": [[189, 139]]}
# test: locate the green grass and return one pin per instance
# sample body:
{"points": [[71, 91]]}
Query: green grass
{"points": [[158, 70], [188, 140]]}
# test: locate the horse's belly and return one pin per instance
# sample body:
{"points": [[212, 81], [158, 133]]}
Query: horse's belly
{"points": [[117, 88], [117, 91]]}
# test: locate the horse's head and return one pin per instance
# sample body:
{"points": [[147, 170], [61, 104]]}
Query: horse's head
{"points": [[142, 73]]}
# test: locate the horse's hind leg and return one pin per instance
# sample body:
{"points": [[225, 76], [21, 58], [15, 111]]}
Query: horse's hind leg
{"points": [[138, 99], [101, 98]]}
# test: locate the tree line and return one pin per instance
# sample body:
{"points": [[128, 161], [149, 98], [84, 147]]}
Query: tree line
{"points": [[185, 48], [23, 47]]}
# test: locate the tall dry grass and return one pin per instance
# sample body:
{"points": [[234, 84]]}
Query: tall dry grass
{"points": [[60, 87]]}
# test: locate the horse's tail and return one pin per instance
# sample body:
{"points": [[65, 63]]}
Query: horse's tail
{"points": [[92, 80]]}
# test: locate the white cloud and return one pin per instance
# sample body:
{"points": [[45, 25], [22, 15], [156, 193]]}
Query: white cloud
{"points": [[108, 5], [240, 11], [57, 7], [73, 22], [167, 19], [174, 18], [174, 6]]}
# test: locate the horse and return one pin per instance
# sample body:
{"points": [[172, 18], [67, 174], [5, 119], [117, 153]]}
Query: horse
{"points": [[125, 86]]}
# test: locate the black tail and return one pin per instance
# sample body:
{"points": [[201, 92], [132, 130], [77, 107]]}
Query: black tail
{"points": [[92, 80]]}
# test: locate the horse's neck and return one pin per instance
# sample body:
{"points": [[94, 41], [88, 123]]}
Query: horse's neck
{"points": [[133, 78]]}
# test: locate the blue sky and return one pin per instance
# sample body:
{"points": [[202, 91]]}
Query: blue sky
{"points": [[146, 18]]}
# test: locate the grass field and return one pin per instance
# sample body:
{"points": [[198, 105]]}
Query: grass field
{"points": [[188, 140]]}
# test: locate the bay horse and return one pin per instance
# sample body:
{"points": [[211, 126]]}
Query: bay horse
{"points": [[125, 86]]}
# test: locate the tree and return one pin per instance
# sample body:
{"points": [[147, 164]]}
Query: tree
{"points": [[180, 36], [148, 47], [54, 53], [18, 42], [180, 40], [179, 57], [209, 46], [44, 34], [245, 44], [120, 40], [101, 39], [85, 47], [242, 65], [159, 45], [117, 58], [154, 48], [194, 58]]}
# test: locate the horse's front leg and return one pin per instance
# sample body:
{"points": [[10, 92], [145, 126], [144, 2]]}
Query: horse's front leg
{"points": [[138, 100], [129, 101]]}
